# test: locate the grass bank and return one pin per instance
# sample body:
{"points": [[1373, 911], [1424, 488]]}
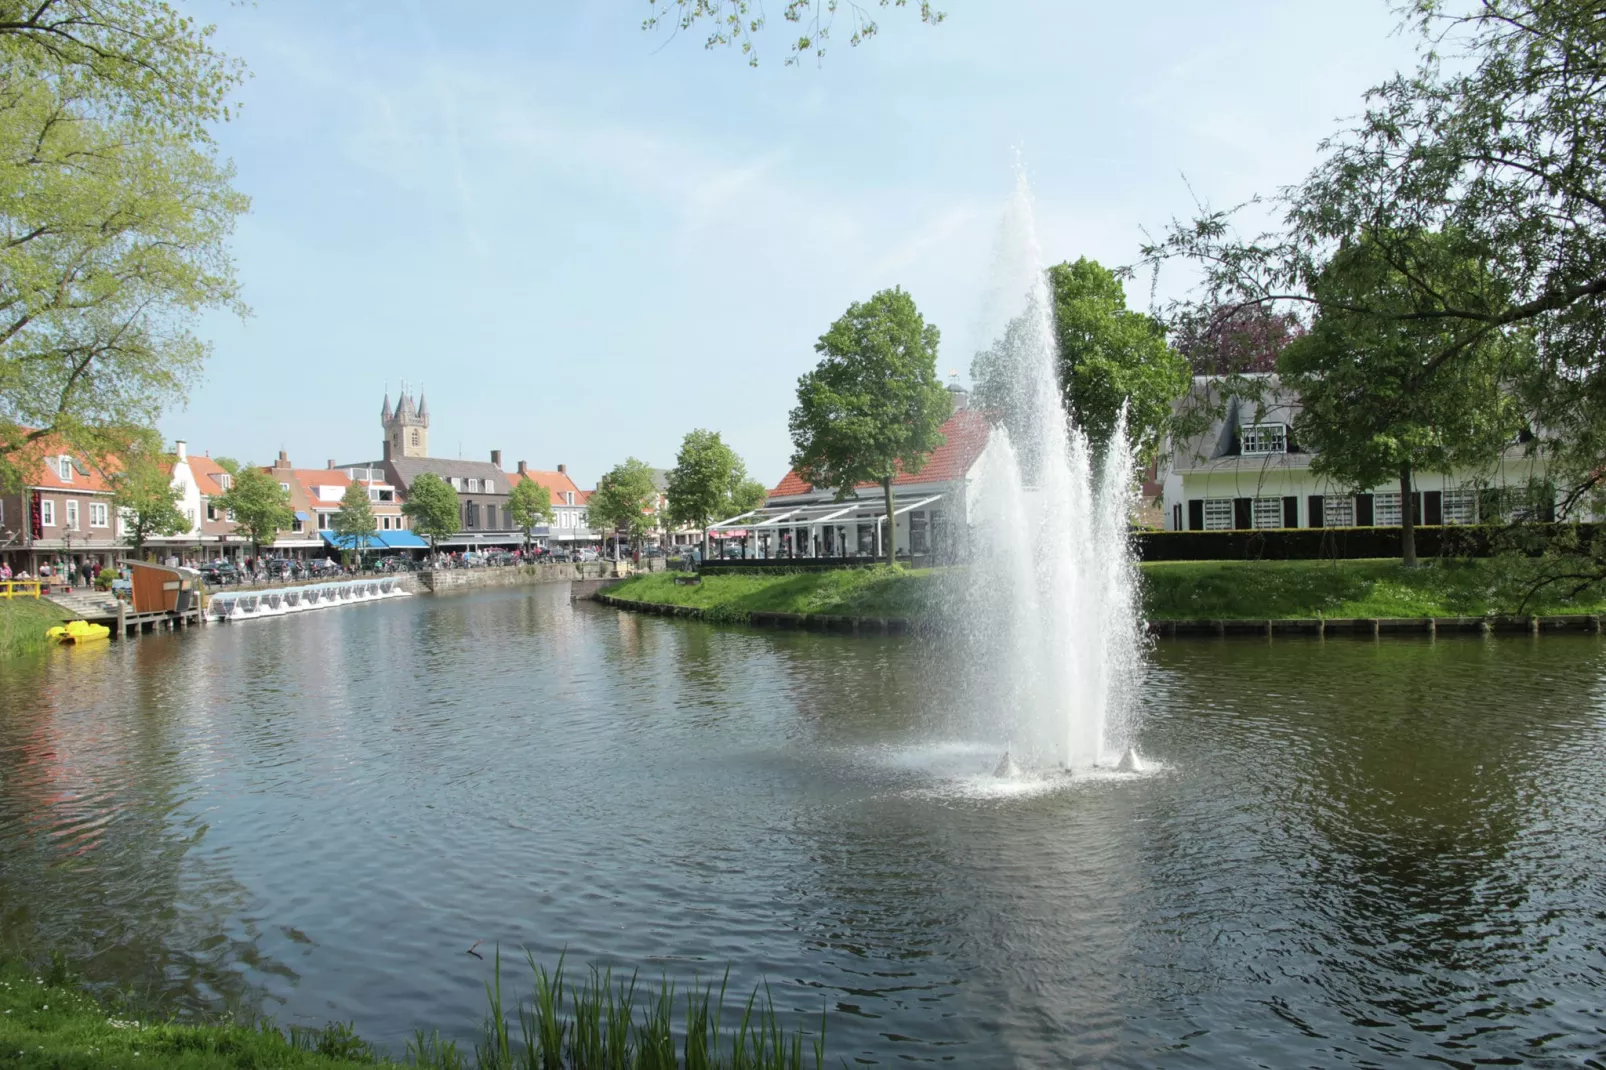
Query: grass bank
{"points": [[1217, 590], [731, 596], [1172, 590], [23, 622], [594, 1022]]}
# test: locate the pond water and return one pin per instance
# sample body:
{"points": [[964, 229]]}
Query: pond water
{"points": [[1352, 852]]}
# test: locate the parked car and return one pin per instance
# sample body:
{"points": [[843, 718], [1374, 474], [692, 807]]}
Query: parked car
{"points": [[587, 554], [220, 572], [500, 557], [559, 557]]}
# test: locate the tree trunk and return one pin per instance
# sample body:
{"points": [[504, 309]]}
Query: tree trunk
{"points": [[1407, 521], [892, 522]]}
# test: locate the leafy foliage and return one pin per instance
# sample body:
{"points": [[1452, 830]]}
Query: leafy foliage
{"points": [[433, 508], [1109, 357], [116, 211], [1368, 410], [261, 507], [529, 504], [873, 405], [625, 500], [355, 517], [709, 482], [736, 23], [1503, 148], [144, 496], [1234, 340]]}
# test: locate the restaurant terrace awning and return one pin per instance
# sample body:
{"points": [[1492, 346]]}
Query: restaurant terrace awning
{"points": [[378, 540]]}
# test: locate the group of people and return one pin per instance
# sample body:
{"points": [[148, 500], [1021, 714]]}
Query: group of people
{"points": [[86, 573]]}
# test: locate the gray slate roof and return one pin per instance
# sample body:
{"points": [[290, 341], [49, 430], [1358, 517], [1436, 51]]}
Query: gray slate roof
{"points": [[407, 469]]}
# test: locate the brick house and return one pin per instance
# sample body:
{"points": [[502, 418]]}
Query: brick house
{"points": [[62, 514]]}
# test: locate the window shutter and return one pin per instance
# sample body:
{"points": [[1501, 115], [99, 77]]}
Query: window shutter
{"points": [[1315, 510], [1290, 512], [1363, 510], [1241, 513], [1433, 507], [1195, 514]]}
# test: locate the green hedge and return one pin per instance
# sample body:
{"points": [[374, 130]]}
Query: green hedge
{"points": [[1309, 544]]}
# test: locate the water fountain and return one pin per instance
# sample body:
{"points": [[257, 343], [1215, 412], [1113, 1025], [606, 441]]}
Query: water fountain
{"points": [[1049, 601]]}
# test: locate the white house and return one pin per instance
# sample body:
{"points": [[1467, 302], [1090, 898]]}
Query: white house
{"points": [[1250, 471]]}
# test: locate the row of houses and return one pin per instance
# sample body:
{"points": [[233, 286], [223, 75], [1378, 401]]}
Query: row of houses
{"points": [[64, 514], [1245, 471]]}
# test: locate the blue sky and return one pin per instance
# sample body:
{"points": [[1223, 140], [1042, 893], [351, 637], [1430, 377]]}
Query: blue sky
{"points": [[584, 240]]}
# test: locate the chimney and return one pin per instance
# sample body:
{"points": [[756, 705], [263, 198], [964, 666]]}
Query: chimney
{"points": [[284, 460], [562, 469], [331, 462], [180, 449], [960, 397], [496, 458], [524, 468]]}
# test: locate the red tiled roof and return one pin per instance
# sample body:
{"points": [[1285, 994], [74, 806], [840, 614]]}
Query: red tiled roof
{"points": [[47, 476], [205, 468], [966, 432], [556, 482]]}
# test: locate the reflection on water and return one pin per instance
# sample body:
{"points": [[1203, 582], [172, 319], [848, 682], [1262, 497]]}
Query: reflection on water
{"points": [[1352, 852]]}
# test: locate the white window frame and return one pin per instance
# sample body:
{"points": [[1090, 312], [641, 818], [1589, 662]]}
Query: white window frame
{"points": [[1460, 506], [98, 515], [1386, 509], [1218, 514], [489, 486], [1261, 439], [47, 512], [71, 513], [1338, 511], [1266, 513], [473, 485], [64, 468], [224, 480]]}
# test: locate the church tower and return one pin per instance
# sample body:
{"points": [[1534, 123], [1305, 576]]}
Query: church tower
{"points": [[406, 427]]}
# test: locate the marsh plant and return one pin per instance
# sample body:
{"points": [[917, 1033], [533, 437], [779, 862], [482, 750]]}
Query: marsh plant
{"points": [[600, 1022]]}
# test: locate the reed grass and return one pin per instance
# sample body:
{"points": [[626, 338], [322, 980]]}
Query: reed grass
{"points": [[605, 1023]]}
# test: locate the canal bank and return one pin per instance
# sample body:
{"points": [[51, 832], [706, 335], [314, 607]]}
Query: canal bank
{"points": [[1177, 599]]}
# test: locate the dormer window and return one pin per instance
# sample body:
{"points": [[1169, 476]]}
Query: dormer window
{"points": [[1263, 438], [490, 486], [64, 468], [473, 485], [224, 480]]}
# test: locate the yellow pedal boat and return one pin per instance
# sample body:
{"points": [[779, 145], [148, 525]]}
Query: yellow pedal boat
{"points": [[79, 631]]}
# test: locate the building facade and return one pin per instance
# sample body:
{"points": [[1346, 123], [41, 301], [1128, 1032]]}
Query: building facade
{"points": [[1248, 470], [930, 506], [62, 515]]}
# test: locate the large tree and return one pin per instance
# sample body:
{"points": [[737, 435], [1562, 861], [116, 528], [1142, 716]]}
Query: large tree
{"points": [[1367, 410], [354, 520], [1110, 358], [260, 506], [626, 499], [529, 504], [115, 210], [737, 23], [1502, 147], [433, 507], [145, 497], [873, 406], [709, 481]]}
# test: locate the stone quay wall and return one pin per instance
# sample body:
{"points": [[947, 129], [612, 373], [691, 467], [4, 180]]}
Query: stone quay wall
{"points": [[441, 580]]}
